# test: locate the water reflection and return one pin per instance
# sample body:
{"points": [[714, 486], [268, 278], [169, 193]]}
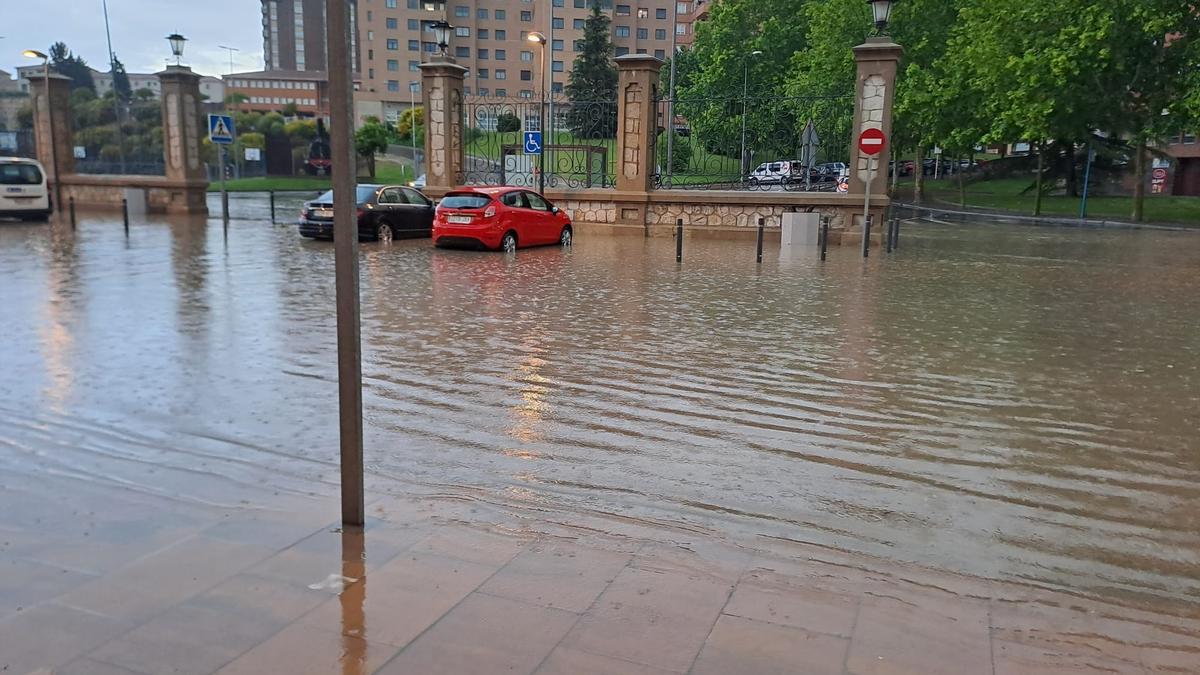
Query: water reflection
{"points": [[352, 598]]}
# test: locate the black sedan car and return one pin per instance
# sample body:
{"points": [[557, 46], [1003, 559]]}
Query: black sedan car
{"points": [[385, 212]]}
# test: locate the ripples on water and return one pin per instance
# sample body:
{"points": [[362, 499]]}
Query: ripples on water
{"points": [[1010, 402]]}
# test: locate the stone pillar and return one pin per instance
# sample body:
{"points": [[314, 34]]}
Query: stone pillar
{"points": [[878, 60], [53, 121], [637, 123], [187, 179], [442, 96]]}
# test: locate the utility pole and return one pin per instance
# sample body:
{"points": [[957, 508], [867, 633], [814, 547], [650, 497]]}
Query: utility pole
{"points": [[112, 69], [231, 50]]}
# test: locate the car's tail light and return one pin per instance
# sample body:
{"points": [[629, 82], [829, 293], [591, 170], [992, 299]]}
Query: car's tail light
{"points": [[359, 213], [489, 211]]}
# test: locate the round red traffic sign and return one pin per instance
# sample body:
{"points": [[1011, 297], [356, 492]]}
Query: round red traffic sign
{"points": [[1160, 173], [871, 142]]}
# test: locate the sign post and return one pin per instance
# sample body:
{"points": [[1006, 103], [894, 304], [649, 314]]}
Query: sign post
{"points": [[871, 142], [221, 133], [533, 146]]}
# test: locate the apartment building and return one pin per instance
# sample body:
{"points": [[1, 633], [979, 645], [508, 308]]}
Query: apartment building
{"points": [[294, 35], [490, 39]]}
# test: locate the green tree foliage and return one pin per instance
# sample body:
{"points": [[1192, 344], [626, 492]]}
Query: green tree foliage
{"points": [[121, 86], [508, 122], [370, 139], [681, 153], [592, 87], [74, 67], [405, 123]]}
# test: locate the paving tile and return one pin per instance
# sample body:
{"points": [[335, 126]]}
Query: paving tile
{"points": [[326, 553], [51, 635], [396, 603], [92, 555], [775, 598], [1013, 658], [748, 647], [471, 545], [567, 661], [301, 649], [188, 640], [485, 634], [557, 574], [261, 599], [263, 530], [657, 618], [87, 666], [894, 638], [24, 583], [166, 578]]}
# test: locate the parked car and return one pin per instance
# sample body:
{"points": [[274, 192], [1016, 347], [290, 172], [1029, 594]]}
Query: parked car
{"points": [[385, 212], [418, 183], [832, 171], [783, 171], [23, 191], [906, 167], [499, 218]]}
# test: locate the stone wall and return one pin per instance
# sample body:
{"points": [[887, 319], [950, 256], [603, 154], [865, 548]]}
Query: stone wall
{"points": [[162, 195]]}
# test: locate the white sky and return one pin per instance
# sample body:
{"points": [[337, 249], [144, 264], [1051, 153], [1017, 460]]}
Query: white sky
{"points": [[139, 29]]}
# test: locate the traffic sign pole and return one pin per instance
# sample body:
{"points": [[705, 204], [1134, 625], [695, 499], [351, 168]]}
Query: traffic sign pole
{"points": [[871, 142], [224, 194]]}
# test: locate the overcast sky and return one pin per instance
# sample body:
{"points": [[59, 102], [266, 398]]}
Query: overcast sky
{"points": [[138, 31]]}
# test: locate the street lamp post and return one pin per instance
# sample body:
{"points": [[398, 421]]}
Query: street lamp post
{"points": [[177, 41], [412, 123], [231, 50], [35, 54], [541, 42], [745, 91], [441, 33]]}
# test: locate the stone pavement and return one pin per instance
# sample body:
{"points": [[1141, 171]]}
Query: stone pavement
{"points": [[443, 584]]}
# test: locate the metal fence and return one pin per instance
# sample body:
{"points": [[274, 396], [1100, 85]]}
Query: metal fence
{"points": [[753, 142], [578, 142], [134, 166]]}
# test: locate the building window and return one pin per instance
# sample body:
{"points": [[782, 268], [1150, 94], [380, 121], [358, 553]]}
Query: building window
{"points": [[605, 4], [622, 31], [526, 93], [681, 29], [527, 75], [414, 66], [660, 33], [483, 91], [526, 16], [370, 35], [431, 47], [501, 93], [462, 11], [413, 24], [393, 85], [622, 10], [660, 13], [557, 66], [622, 51], [556, 87], [560, 3], [411, 4], [501, 74], [501, 34], [501, 55], [524, 36], [462, 52], [579, 4], [683, 8], [481, 13], [462, 31], [482, 34], [558, 22], [392, 24], [393, 65], [557, 45], [394, 44], [501, 15], [482, 74], [641, 51], [390, 4], [643, 33], [481, 54], [660, 54], [577, 46], [643, 13], [527, 57], [370, 54], [578, 24]]}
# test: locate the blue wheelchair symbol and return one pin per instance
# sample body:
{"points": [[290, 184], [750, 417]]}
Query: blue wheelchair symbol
{"points": [[533, 142]]}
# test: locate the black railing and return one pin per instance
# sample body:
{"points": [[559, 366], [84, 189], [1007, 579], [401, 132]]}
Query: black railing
{"points": [[753, 143]]}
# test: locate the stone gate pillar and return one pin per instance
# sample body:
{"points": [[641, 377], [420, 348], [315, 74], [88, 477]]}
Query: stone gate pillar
{"points": [[52, 121], [878, 60], [637, 124], [442, 96], [186, 184]]}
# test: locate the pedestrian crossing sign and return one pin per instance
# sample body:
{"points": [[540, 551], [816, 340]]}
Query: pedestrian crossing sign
{"points": [[220, 129]]}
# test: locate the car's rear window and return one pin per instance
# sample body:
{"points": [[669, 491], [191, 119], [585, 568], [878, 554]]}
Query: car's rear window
{"points": [[20, 174], [465, 200]]}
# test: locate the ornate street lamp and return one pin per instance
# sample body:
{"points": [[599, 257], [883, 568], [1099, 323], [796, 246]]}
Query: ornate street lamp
{"points": [[441, 33], [177, 42], [881, 11]]}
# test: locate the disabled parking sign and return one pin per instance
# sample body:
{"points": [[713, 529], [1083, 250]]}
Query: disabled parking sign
{"points": [[533, 142]]}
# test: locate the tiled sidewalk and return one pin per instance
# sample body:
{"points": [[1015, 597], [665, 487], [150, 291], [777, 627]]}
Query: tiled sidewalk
{"points": [[446, 586]]}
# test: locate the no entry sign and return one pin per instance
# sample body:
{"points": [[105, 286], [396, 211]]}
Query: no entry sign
{"points": [[871, 142]]}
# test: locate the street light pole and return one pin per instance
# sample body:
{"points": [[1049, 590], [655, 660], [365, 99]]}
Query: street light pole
{"points": [[231, 50], [541, 41], [35, 54], [745, 90], [412, 123], [671, 96]]}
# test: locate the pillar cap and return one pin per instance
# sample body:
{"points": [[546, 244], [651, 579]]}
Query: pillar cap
{"points": [[53, 76], [178, 72], [639, 62], [879, 48], [444, 66]]}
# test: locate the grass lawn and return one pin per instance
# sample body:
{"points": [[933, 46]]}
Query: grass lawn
{"points": [[1004, 194], [385, 172]]}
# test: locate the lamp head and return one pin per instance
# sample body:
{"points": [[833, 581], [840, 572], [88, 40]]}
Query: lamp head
{"points": [[34, 54], [881, 14], [537, 37]]}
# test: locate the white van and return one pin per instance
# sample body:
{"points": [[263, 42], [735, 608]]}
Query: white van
{"points": [[782, 171], [23, 192]]}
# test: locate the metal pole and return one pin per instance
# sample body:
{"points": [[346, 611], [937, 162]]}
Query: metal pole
{"points": [[760, 240], [1087, 177], [272, 207], [888, 234], [112, 67], [125, 214], [72, 212], [548, 83], [542, 128], [671, 98], [679, 240], [867, 205], [224, 194], [345, 235], [896, 237], [412, 124], [824, 236], [745, 88], [867, 237]]}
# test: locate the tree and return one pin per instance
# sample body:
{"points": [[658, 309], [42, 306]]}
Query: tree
{"points": [[508, 122], [74, 67], [236, 99], [592, 87], [371, 138], [121, 87], [291, 110]]}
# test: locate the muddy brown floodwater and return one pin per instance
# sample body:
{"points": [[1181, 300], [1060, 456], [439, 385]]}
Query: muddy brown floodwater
{"points": [[1010, 402]]}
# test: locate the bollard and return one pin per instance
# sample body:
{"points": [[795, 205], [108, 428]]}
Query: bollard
{"points": [[225, 207], [867, 237], [887, 235], [896, 237], [125, 213], [71, 203], [823, 236], [272, 207], [760, 238], [679, 240]]}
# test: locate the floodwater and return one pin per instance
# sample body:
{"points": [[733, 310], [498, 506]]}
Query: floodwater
{"points": [[1010, 402]]}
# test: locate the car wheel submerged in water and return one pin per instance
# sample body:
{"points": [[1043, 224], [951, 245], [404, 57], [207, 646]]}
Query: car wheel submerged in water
{"points": [[564, 239], [383, 234], [508, 243]]}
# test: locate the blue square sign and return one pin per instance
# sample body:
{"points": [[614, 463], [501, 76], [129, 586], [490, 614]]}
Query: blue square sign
{"points": [[220, 129], [533, 142]]}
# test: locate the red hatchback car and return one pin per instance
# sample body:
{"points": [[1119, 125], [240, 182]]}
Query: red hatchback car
{"points": [[499, 218]]}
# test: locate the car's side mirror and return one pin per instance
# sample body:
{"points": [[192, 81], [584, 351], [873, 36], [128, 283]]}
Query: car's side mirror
{"points": [[553, 209]]}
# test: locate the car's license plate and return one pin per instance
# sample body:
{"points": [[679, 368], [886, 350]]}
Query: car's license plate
{"points": [[323, 213], [460, 220], [14, 189]]}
